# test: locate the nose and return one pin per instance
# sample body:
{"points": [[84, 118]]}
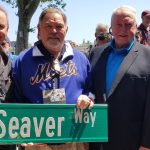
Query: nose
{"points": [[53, 30], [124, 28]]}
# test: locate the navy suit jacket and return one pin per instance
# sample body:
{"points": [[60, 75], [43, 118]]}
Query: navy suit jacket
{"points": [[128, 100]]}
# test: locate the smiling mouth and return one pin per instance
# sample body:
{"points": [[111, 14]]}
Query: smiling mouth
{"points": [[54, 39], [123, 36]]}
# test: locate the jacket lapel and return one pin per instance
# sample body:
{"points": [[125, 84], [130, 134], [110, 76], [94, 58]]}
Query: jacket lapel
{"points": [[127, 62], [101, 71]]}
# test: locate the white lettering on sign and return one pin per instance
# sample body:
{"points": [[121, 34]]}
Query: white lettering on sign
{"points": [[25, 128], [13, 126], [2, 125], [85, 117], [38, 128], [60, 120], [51, 125]]}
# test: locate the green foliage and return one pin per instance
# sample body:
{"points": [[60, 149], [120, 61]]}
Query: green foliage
{"points": [[50, 3], [12, 2], [53, 4], [32, 29], [25, 10]]}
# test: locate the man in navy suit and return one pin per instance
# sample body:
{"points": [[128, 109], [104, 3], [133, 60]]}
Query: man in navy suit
{"points": [[121, 78]]}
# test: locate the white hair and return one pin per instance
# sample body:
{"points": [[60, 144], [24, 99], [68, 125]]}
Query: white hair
{"points": [[124, 8]]}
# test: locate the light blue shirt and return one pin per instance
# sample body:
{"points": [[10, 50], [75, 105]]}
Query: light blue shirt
{"points": [[12, 56]]}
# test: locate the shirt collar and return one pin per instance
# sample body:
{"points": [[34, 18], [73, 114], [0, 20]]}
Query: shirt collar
{"points": [[123, 50], [69, 51]]}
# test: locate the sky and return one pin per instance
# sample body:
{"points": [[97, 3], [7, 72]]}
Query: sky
{"points": [[83, 16]]}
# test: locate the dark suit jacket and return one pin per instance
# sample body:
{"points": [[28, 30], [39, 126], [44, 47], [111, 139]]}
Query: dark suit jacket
{"points": [[128, 100]]}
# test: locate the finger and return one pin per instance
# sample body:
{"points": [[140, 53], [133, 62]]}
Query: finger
{"points": [[91, 105], [79, 101], [24, 144], [78, 104], [27, 144], [84, 104], [30, 144], [41, 144], [83, 101]]}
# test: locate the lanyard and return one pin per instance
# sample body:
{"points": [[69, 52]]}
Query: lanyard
{"points": [[56, 70], [55, 73], [56, 82]]}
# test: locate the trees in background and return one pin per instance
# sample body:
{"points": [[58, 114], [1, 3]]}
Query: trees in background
{"points": [[26, 9]]}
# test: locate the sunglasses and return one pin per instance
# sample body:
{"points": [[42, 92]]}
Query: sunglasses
{"points": [[103, 36]]}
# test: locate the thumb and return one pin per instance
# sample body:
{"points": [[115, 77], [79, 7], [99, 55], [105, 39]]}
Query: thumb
{"points": [[91, 105]]}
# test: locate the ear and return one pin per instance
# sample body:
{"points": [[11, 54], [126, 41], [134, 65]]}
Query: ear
{"points": [[66, 29], [38, 35], [110, 30], [38, 27]]}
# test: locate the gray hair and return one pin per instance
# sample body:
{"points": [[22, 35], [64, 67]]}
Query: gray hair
{"points": [[128, 8], [53, 10], [101, 26]]}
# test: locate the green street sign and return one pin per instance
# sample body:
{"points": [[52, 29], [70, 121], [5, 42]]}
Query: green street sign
{"points": [[45, 123]]}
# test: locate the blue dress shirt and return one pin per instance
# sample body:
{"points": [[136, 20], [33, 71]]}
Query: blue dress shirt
{"points": [[114, 61]]}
